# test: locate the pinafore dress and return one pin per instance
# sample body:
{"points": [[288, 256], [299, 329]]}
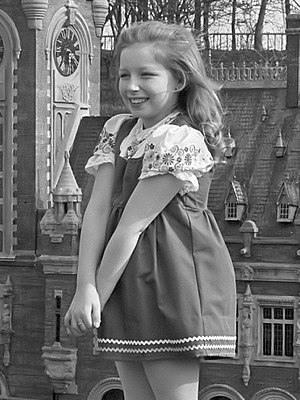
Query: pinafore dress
{"points": [[177, 296]]}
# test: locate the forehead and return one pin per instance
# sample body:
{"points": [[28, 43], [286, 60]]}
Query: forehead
{"points": [[139, 55]]}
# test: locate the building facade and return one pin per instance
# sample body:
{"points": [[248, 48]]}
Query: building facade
{"points": [[51, 113]]}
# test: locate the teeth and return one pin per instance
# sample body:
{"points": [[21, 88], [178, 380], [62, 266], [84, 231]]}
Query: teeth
{"points": [[137, 101]]}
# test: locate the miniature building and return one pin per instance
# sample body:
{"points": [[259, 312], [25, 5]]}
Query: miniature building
{"points": [[236, 202], [287, 201], [57, 109], [280, 146]]}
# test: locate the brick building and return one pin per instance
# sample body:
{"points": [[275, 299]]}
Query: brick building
{"points": [[50, 116]]}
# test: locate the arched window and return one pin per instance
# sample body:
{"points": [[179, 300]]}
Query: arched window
{"points": [[220, 398], [273, 394], [107, 389], [219, 392], [9, 53], [114, 394]]}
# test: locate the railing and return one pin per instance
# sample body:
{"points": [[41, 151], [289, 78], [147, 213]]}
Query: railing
{"points": [[236, 72], [255, 73], [108, 42], [224, 41], [245, 41]]}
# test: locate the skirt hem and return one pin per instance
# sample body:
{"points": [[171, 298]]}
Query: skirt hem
{"points": [[207, 347]]}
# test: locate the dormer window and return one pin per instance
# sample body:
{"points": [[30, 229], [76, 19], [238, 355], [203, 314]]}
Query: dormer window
{"points": [[236, 202], [287, 202], [231, 210], [283, 211]]}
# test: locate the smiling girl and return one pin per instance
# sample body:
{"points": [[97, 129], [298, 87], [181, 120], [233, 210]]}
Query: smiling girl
{"points": [[152, 261]]}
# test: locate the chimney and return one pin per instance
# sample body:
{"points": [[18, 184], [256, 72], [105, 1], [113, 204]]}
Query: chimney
{"points": [[293, 70]]}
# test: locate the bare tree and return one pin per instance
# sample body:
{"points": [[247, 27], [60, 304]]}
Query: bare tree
{"points": [[205, 16], [206, 9], [233, 24], [259, 26], [197, 23]]}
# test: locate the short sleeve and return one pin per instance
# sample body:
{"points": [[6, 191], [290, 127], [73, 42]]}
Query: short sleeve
{"points": [[104, 152], [178, 150]]}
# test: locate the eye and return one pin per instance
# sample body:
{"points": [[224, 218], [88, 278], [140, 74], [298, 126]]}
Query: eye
{"points": [[148, 74], [123, 75]]}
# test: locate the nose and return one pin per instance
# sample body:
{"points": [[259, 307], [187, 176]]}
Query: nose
{"points": [[133, 84]]}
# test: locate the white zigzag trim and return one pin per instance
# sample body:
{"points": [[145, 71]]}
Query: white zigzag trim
{"points": [[170, 349], [166, 341]]}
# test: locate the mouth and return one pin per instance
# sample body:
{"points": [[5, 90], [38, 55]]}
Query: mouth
{"points": [[137, 101]]}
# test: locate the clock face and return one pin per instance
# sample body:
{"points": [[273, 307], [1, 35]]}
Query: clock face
{"points": [[1, 49], [67, 51]]}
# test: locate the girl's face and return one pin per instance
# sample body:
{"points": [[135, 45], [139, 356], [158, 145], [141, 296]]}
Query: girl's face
{"points": [[147, 88]]}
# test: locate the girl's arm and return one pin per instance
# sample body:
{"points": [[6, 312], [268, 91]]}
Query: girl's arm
{"points": [[149, 198], [85, 307]]}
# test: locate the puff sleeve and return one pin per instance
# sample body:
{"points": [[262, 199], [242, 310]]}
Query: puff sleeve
{"points": [[178, 150], [104, 152]]}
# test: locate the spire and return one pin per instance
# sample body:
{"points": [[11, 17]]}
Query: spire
{"points": [[280, 146], [66, 185], [65, 216]]}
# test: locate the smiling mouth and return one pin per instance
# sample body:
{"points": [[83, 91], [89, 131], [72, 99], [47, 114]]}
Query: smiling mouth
{"points": [[137, 101]]}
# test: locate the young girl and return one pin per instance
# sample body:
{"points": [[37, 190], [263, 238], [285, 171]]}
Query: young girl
{"points": [[165, 285]]}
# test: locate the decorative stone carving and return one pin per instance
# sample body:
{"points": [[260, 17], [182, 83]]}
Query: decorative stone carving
{"points": [[65, 216], [247, 273], [6, 297], [248, 231], [71, 12], [60, 367], [246, 343], [68, 92], [35, 11], [99, 8]]}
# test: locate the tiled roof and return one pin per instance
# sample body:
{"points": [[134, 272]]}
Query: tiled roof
{"points": [[291, 190], [255, 164], [239, 192]]}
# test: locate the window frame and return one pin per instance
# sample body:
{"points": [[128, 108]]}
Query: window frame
{"points": [[232, 211], [283, 212], [274, 302]]}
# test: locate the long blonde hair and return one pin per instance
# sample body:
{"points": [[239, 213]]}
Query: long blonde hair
{"points": [[175, 48]]}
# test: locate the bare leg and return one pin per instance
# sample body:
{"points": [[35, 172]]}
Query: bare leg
{"points": [[173, 379], [134, 381]]}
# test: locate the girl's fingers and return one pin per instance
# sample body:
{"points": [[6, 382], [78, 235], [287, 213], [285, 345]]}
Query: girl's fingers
{"points": [[67, 321], [78, 326], [96, 315]]}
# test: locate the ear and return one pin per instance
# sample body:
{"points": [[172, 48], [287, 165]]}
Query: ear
{"points": [[181, 83]]}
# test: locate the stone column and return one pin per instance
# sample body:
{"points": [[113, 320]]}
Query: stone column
{"points": [[293, 78]]}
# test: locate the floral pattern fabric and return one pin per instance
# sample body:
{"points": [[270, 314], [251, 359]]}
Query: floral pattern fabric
{"points": [[179, 150], [104, 151]]}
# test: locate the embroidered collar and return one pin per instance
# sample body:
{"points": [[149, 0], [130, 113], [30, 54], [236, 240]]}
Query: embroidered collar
{"points": [[138, 134]]}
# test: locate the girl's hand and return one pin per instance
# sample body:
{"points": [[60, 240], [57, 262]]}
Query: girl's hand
{"points": [[84, 312]]}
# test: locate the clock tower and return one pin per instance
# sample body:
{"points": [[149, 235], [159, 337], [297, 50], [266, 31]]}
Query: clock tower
{"points": [[67, 51], [72, 60]]}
